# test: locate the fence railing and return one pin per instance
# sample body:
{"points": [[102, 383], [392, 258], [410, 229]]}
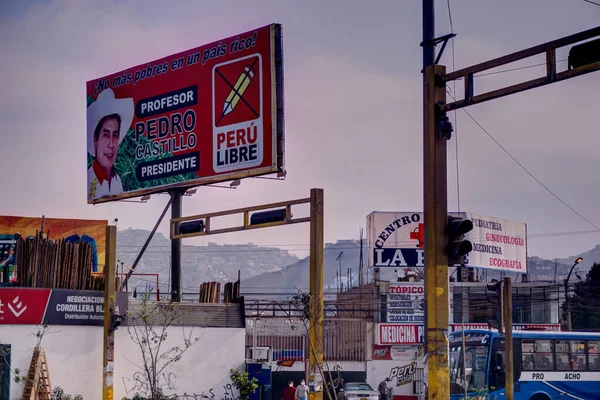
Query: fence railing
{"points": [[343, 339]]}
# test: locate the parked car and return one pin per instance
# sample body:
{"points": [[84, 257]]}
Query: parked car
{"points": [[357, 391]]}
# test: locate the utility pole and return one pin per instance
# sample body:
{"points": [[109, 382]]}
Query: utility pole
{"points": [[340, 284], [435, 195], [508, 338], [316, 290], [109, 306]]}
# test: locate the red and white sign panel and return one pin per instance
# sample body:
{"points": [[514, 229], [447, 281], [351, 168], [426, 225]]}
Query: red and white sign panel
{"points": [[23, 306], [209, 114], [397, 352], [399, 334]]}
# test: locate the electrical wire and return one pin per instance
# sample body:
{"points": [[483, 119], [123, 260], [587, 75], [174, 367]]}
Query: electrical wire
{"points": [[592, 2], [526, 170]]}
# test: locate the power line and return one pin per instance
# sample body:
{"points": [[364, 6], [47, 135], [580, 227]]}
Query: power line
{"points": [[526, 170], [515, 69], [592, 2], [455, 115]]}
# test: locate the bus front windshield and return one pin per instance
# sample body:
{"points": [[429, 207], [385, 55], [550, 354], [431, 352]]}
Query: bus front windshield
{"points": [[468, 367]]}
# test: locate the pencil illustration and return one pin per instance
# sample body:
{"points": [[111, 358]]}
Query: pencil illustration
{"points": [[238, 89]]}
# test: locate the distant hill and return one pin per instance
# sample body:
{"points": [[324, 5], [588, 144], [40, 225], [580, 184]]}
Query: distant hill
{"points": [[200, 263], [269, 272], [279, 284]]}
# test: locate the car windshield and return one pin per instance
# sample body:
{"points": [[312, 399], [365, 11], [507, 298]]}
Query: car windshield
{"points": [[468, 373], [358, 386]]}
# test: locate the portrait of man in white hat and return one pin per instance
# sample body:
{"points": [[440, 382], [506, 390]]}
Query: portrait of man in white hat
{"points": [[108, 120]]}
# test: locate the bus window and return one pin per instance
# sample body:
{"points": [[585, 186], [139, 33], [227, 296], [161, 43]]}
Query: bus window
{"points": [[541, 356], [594, 355], [570, 355]]}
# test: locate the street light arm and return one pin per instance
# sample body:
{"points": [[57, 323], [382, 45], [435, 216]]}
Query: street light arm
{"points": [[571, 271]]}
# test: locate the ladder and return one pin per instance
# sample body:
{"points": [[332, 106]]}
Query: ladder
{"points": [[37, 384]]}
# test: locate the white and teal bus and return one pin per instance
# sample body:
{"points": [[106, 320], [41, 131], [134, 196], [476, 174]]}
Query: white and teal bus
{"points": [[547, 365]]}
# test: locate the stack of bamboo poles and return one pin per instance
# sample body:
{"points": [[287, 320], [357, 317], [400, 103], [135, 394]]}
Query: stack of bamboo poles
{"points": [[45, 263], [232, 292], [210, 292]]}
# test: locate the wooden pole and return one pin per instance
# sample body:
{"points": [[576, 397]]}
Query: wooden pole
{"points": [[109, 304], [316, 291]]}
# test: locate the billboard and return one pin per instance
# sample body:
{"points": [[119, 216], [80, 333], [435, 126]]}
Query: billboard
{"points": [[397, 240], [406, 303], [209, 114], [74, 230]]}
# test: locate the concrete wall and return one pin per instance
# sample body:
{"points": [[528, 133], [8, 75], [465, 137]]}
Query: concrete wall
{"points": [[75, 360]]}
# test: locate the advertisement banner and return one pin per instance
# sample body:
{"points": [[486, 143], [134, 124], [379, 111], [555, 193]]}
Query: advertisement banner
{"points": [[498, 244], [516, 327], [397, 240], [406, 302], [397, 352], [209, 114], [55, 306], [73, 230], [399, 334]]}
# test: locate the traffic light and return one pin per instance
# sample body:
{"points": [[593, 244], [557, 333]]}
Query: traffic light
{"points": [[265, 217], [457, 246], [584, 54], [191, 227]]}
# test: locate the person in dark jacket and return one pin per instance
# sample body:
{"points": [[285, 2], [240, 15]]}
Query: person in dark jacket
{"points": [[383, 388]]}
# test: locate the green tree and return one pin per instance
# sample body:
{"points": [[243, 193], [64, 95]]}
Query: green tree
{"points": [[584, 301], [242, 382]]}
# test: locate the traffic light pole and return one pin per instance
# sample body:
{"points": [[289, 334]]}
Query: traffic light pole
{"points": [[435, 198], [255, 217], [582, 60]]}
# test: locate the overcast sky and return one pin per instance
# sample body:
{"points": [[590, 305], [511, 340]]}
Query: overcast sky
{"points": [[353, 110]]}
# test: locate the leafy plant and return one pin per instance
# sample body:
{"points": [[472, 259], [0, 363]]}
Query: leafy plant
{"points": [[59, 394], [242, 382]]}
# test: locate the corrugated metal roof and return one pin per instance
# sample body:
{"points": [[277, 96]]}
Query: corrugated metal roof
{"points": [[191, 314]]}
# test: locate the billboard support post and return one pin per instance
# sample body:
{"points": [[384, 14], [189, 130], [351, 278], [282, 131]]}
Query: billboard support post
{"points": [[109, 306], [176, 200], [145, 246]]}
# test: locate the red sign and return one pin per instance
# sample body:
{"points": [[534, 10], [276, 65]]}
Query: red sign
{"points": [[210, 114], [23, 306], [400, 334], [381, 352]]}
